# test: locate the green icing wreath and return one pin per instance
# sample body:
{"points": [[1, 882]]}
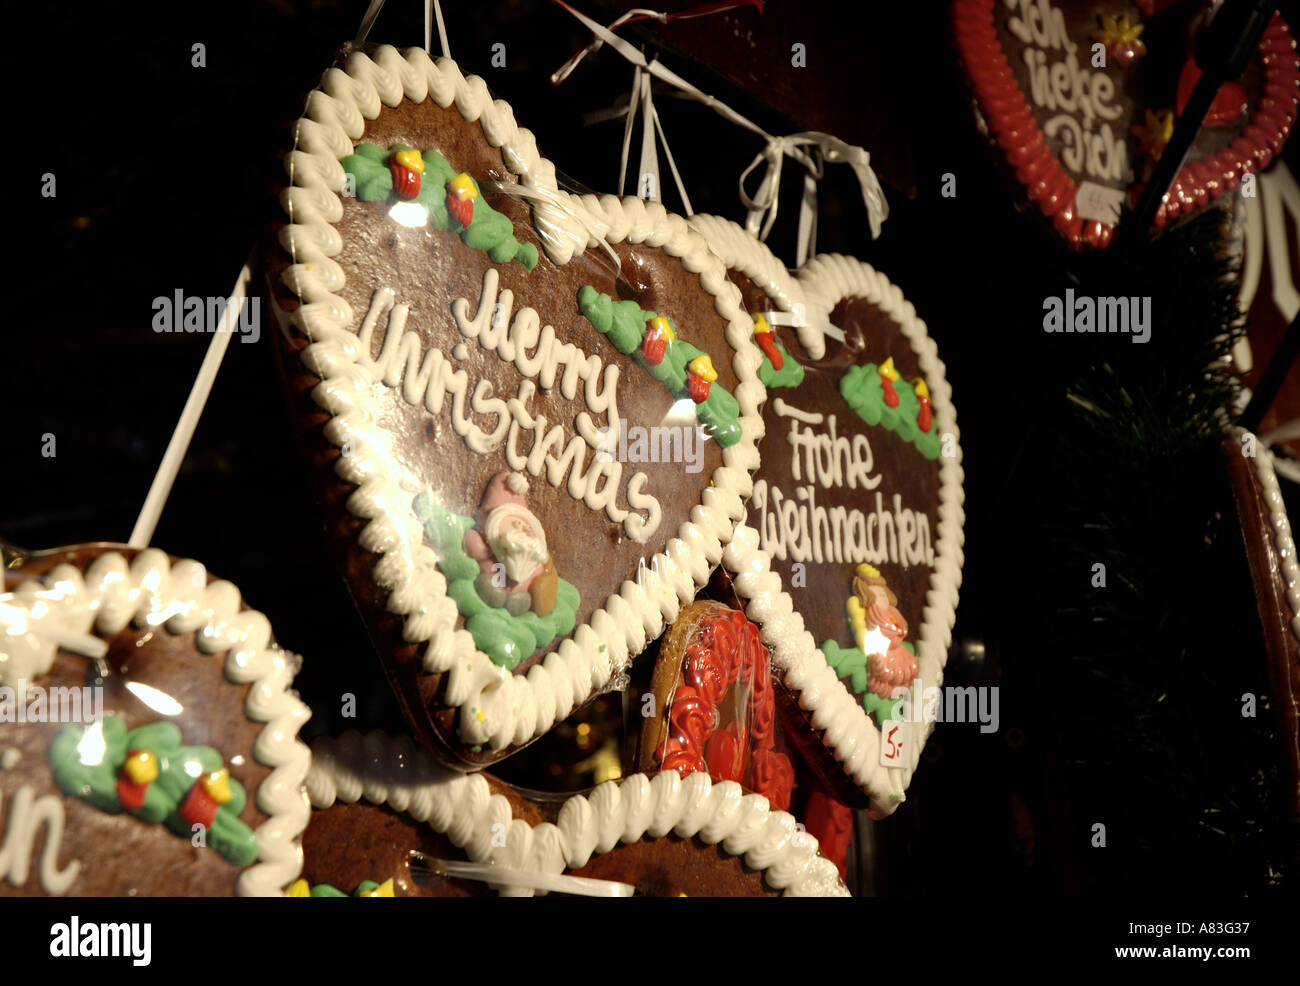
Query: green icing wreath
{"points": [[623, 323], [504, 638], [861, 388], [87, 767], [489, 230]]}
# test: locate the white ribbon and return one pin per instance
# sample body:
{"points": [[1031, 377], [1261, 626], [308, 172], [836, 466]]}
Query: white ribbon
{"points": [[652, 135], [809, 148], [548, 197], [430, 6], [368, 21]]}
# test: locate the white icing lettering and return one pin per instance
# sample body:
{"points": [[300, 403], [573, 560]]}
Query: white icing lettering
{"points": [[1082, 99], [27, 813], [427, 379]]}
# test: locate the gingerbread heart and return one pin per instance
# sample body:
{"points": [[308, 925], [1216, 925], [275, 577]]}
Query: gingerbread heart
{"points": [[533, 428], [1081, 98], [666, 836], [168, 766], [850, 559]]}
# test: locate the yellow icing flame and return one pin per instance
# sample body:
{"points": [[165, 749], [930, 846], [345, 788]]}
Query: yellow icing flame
{"points": [[217, 784], [660, 324], [141, 767], [760, 323], [300, 889], [410, 159], [702, 367], [385, 889], [887, 370], [921, 389], [462, 186]]}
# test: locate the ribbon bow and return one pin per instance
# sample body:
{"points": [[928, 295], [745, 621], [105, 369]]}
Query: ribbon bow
{"points": [[809, 148]]}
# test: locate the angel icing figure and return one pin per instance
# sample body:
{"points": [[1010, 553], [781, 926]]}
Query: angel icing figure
{"points": [[890, 666], [515, 568]]}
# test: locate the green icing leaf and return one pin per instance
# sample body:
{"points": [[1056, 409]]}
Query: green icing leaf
{"points": [[790, 374], [861, 388], [721, 416], [851, 663], [506, 639], [94, 782], [325, 890], [490, 231], [446, 532], [623, 323], [880, 709], [367, 164], [847, 662]]}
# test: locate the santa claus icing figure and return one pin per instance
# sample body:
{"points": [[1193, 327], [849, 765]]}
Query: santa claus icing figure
{"points": [[515, 568]]}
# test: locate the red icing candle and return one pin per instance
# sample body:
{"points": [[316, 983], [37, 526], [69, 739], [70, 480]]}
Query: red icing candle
{"points": [[198, 808], [130, 793], [924, 417], [891, 395], [768, 345], [406, 183]]}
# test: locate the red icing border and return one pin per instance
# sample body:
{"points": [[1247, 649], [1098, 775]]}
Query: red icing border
{"points": [[1199, 182]]}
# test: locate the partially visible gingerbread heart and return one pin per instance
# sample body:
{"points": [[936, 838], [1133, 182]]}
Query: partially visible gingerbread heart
{"points": [[850, 559], [171, 766], [667, 836], [1081, 97], [714, 709], [1229, 102], [530, 455]]}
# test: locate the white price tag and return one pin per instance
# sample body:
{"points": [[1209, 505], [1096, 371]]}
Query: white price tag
{"points": [[894, 739], [1099, 203]]}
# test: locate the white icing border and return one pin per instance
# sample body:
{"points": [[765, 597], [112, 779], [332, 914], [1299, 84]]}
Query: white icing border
{"points": [[1284, 541], [393, 771], [512, 709], [850, 733], [151, 591]]}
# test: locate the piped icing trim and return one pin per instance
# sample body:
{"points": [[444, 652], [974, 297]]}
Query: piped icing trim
{"points": [[509, 708], [744, 252], [823, 282], [151, 591], [1021, 140], [393, 771], [1283, 539]]}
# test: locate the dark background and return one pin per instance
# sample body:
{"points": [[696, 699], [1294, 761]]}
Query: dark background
{"points": [[163, 173]]}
